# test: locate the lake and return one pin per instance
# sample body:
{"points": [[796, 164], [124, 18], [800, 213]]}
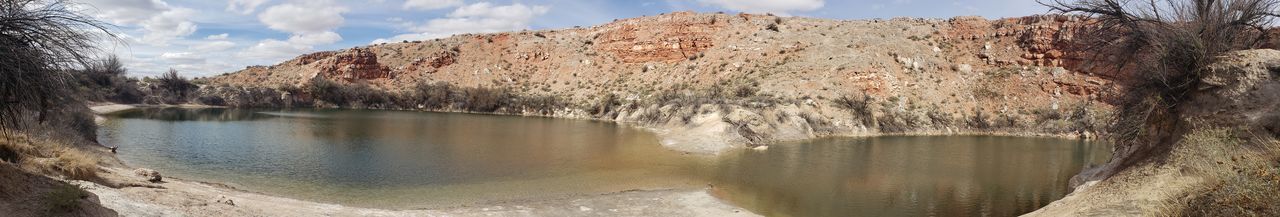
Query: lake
{"points": [[409, 160]]}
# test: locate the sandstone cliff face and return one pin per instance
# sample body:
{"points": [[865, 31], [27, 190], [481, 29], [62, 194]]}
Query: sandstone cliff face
{"points": [[933, 74], [673, 38], [701, 49], [352, 65]]}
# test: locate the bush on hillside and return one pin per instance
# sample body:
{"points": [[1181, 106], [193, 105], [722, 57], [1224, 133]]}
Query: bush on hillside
{"points": [[171, 88], [354, 95], [431, 95], [605, 106], [40, 41], [860, 106], [106, 81], [1167, 44]]}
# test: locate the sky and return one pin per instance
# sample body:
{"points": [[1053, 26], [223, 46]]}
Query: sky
{"points": [[209, 37]]}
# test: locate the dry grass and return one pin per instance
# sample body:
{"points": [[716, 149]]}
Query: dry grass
{"points": [[1245, 182], [48, 157]]}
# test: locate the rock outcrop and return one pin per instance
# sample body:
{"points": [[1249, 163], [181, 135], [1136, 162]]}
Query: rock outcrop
{"points": [[677, 37], [148, 174], [352, 65]]}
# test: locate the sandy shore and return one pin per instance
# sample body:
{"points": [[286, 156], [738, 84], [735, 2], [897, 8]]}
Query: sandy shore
{"points": [[110, 108], [189, 198]]}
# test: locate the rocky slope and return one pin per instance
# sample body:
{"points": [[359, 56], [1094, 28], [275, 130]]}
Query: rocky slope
{"points": [[707, 82]]}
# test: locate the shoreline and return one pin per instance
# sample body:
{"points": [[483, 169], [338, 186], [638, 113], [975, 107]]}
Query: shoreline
{"points": [[184, 197], [178, 197]]}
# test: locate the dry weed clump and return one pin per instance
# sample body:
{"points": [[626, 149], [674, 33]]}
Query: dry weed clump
{"points": [[64, 198], [47, 156], [1244, 184]]}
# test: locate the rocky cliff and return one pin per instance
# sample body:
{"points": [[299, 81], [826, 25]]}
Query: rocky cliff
{"points": [[785, 78]]}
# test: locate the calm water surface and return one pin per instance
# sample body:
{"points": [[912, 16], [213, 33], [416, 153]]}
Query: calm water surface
{"points": [[403, 160]]}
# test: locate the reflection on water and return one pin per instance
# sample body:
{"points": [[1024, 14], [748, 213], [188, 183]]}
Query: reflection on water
{"points": [[417, 160], [191, 114], [905, 176], [396, 159]]}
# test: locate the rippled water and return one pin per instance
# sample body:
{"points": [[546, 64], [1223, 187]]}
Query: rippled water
{"points": [[403, 160]]}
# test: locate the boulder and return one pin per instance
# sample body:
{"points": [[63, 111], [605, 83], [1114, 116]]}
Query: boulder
{"points": [[224, 200], [150, 175]]}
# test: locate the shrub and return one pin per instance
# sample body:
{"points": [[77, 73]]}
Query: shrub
{"points": [[939, 118], [361, 95], [979, 120], [40, 41], [106, 80], [1047, 114], [860, 106], [356, 95], [1168, 44], [773, 27], [605, 106], [64, 198], [327, 91], [894, 121], [538, 104], [432, 95], [745, 91], [484, 99], [171, 88]]}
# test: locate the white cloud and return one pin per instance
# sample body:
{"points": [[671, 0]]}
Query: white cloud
{"points": [[168, 26], [474, 18], [311, 23], [214, 46], [430, 4], [781, 7], [316, 38], [183, 57], [304, 18], [126, 11], [271, 50], [244, 6], [222, 36], [160, 21]]}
